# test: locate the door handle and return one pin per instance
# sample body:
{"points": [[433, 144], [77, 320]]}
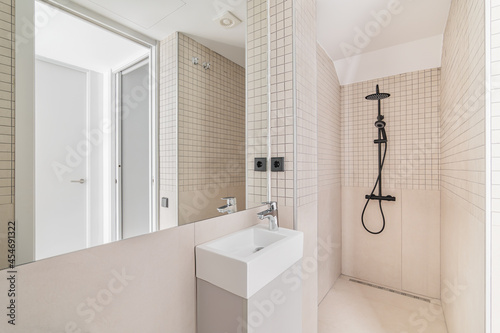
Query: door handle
{"points": [[81, 181]]}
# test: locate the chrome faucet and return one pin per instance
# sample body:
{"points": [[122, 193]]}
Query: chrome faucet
{"points": [[271, 213], [230, 207]]}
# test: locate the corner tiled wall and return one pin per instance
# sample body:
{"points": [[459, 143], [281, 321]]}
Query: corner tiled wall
{"points": [[307, 113], [282, 108], [7, 102], [306, 147], [412, 117], [168, 129], [257, 99], [293, 129], [495, 127], [329, 205], [329, 121], [462, 117], [211, 115], [463, 166]]}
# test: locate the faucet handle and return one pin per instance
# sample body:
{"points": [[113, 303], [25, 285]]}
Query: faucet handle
{"points": [[230, 200], [272, 204]]}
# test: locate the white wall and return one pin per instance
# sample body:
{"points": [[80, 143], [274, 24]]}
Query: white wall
{"points": [[143, 284]]}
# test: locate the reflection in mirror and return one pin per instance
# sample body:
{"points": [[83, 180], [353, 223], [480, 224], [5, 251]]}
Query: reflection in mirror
{"points": [[92, 153], [107, 180], [211, 132]]}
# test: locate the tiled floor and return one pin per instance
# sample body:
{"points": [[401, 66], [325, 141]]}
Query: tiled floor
{"points": [[351, 307]]}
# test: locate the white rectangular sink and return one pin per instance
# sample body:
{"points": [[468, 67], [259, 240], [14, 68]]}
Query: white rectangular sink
{"points": [[245, 261]]}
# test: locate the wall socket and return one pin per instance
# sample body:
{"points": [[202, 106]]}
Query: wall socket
{"points": [[277, 164], [260, 164]]}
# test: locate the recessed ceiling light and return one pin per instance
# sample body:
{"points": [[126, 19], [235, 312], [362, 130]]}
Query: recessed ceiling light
{"points": [[227, 20]]}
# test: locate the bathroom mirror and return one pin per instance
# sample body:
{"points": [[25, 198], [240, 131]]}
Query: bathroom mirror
{"points": [[201, 148]]}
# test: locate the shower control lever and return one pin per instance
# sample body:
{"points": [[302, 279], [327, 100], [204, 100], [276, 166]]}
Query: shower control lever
{"points": [[377, 197]]}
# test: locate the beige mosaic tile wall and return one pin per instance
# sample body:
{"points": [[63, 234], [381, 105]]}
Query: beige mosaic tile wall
{"points": [[306, 99], [211, 118], [257, 99], [168, 113], [202, 131], [7, 121], [282, 99], [463, 166], [495, 135], [306, 136], [462, 116], [329, 122], [412, 117], [211, 113], [7, 102]]}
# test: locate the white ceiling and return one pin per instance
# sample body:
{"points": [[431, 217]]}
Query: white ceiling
{"points": [[339, 21], [160, 18], [73, 41], [368, 31], [398, 28]]}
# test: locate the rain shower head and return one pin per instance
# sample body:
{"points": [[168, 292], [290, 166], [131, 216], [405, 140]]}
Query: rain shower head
{"points": [[377, 96]]}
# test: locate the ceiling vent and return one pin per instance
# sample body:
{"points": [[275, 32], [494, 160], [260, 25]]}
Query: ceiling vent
{"points": [[227, 20]]}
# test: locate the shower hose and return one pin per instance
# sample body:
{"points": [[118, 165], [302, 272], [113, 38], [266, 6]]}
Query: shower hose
{"points": [[379, 202]]}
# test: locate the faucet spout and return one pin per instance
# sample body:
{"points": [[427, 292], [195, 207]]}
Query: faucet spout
{"points": [[271, 214], [230, 207]]}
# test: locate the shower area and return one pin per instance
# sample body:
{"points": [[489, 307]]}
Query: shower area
{"points": [[391, 231], [413, 172]]}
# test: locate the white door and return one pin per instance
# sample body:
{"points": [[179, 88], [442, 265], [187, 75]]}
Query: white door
{"points": [[134, 159], [60, 159]]}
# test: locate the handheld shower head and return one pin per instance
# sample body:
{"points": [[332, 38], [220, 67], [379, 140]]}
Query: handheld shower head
{"points": [[384, 135], [380, 124]]}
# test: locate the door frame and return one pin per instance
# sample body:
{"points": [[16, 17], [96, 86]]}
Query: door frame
{"points": [[153, 222]]}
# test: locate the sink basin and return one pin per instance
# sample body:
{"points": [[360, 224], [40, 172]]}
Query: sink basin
{"points": [[245, 261]]}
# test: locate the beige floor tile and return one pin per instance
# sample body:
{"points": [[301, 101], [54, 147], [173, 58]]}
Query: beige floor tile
{"points": [[350, 307]]}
